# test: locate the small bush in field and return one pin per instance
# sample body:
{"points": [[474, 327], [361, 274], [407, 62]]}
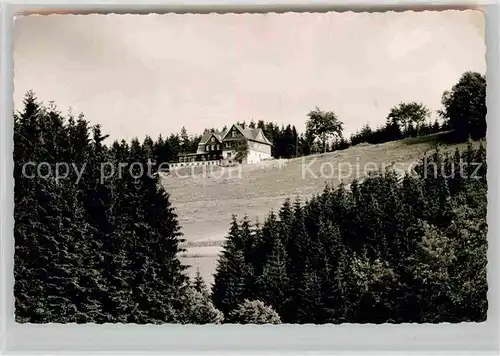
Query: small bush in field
{"points": [[254, 312]]}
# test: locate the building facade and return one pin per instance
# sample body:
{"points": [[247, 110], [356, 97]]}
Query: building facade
{"points": [[221, 147]]}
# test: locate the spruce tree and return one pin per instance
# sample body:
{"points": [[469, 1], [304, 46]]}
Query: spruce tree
{"points": [[232, 272], [266, 239], [309, 294], [285, 219], [274, 283]]}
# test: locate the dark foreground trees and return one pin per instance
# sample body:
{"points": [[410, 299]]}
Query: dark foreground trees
{"points": [[390, 249], [93, 245]]}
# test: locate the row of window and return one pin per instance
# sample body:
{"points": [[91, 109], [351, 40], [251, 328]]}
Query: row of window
{"points": [[196, 163], [212, 148], [216, 147], [211, 157], [203, 158]]}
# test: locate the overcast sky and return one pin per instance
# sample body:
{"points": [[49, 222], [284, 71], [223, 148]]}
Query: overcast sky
{"points": [[151, 74]]}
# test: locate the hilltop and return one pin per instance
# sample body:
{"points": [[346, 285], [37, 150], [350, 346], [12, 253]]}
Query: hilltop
{"points": [[205, 198]]}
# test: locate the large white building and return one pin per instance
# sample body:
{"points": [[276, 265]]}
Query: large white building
{"points": [[219, 147]]}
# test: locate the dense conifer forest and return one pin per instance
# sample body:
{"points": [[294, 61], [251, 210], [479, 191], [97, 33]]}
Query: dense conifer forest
{"points": [[386, 250], [90, 249], [99, 243]]}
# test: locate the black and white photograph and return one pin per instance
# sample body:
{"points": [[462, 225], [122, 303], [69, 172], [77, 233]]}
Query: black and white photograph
{"points": [[252, 168]]}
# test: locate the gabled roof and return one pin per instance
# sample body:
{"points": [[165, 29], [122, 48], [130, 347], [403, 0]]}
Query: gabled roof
{"points": [[206, 136], [258, 135], [250, 134]]}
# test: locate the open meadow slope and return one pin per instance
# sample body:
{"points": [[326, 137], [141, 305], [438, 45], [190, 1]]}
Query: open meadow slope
{"points": [[206, 198]]}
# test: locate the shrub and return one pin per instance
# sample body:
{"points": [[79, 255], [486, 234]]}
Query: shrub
{"points": [[254, 312]]}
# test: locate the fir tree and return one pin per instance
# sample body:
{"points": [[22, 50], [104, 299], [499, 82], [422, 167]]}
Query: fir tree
{"points": [[274, 281], [232, 272]]}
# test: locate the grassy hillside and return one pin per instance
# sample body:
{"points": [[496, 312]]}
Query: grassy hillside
{"points": [[205, 198]]}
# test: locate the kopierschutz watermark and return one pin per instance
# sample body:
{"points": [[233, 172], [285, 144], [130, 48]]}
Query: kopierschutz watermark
{"points": [[317, 169]]}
